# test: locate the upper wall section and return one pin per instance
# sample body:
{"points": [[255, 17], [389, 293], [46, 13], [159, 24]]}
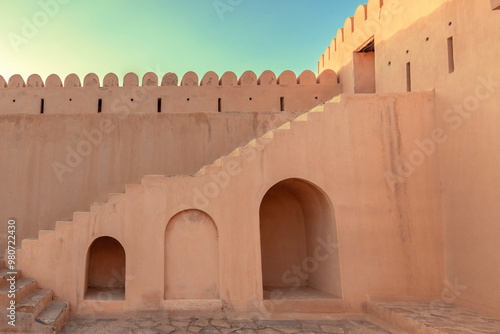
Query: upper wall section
{"points": [[357, 31], [249, 93]]}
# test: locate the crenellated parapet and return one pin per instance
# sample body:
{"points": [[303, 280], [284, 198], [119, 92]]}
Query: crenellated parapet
{"points": [[368, 21], [212, 93]]}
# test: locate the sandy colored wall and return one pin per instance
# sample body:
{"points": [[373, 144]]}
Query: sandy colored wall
{"points": [[52, 168], [61, 161], [466, 111], [191, 240], [287, 92], [387, 240]]}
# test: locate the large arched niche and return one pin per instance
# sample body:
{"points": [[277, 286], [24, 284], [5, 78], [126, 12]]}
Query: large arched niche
{"points": [[191, 256], [298, 234], [105, 272]]}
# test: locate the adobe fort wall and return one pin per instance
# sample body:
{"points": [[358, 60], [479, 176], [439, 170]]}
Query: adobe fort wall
{"points": [[449, 47], [68, 144], [228, 93]]}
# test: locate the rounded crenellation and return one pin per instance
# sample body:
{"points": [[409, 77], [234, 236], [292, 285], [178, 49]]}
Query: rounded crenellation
{"points": [[150, 79], [228, 93], [357, 29]]}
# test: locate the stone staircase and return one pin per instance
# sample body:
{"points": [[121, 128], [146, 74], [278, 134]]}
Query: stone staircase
{"points": [[36, 310], [42, 247]]}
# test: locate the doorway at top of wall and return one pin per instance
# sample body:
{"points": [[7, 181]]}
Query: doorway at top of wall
{"points": [[364, 67]]}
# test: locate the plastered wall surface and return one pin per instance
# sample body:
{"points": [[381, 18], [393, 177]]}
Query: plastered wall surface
{"points": [[467, 100], [405, 183], [381, 241], [62, 160]]}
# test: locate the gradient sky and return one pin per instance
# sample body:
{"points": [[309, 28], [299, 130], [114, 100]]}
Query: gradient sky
{"points": [[121, 36]]}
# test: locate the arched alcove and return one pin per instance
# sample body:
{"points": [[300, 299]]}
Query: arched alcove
{"points": [[300, 256], [105, 274], [191, 257]]}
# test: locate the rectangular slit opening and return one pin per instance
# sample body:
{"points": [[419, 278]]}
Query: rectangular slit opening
{"points": [[408, 77], [99, 106], [282, 103], [219, 106], [451, 56], [42, 106], [159, 105]]}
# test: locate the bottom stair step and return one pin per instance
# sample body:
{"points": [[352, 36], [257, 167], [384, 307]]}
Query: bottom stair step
{"points": [[23, 288], [35, 302], [54, 315]]}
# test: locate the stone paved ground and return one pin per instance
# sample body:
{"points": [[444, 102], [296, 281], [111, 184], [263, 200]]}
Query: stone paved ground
{"points": [[155, 325], [443, 317]]}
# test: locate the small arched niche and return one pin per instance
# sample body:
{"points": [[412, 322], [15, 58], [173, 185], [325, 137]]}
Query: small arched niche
{"points": [[300, 255], [191, 256], [105, 274]]}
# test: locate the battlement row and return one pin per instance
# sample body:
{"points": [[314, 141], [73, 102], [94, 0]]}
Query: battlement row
{"points": [[367, 21], [150, 79], [212, 94]]}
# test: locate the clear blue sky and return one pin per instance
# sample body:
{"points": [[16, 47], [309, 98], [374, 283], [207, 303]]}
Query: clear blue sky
{"points": [[121, 36]]}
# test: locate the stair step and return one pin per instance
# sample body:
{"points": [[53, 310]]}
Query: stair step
{"points": [[301, 118], [54, 315], [152, 179], [209, 170], [63, 224], [268, 135], [130, 187], [45, 233], [81, 217], [285, 126], [24, 287], [234, 154], [320, 108], [113, 196], [251, 144], [7, 273], [217, 162], [96, 206], [35, 302]]}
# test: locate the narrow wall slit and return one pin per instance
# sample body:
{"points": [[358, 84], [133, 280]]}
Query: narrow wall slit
{"points": [[282, 103], [219, 105], [99, 106], [159, 105], [408, 77], [451, 56], [42, 106]]}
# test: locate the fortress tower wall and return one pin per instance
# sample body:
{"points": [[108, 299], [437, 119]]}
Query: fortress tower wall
{"points": [[450, 47]]}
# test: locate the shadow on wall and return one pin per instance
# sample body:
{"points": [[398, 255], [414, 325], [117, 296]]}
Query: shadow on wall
{"points": [[298, 241], [105, 275]]}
